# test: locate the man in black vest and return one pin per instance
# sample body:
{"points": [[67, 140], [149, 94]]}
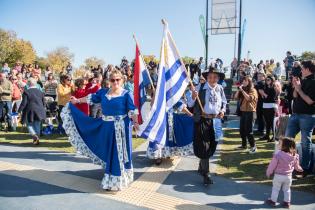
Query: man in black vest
{"points": [[207, 115]]}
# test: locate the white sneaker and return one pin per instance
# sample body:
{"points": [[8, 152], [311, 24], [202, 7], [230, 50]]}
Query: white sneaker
{"points": [[253, 150]]}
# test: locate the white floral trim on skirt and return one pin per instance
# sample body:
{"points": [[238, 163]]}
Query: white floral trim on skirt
{"points": [[166, 151], [109, 181], [75, 138], [118, 182]]}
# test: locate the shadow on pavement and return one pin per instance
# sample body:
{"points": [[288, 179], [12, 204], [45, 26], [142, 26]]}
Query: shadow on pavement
{"points": [[190, 183], [44, 155], [14, 186]]}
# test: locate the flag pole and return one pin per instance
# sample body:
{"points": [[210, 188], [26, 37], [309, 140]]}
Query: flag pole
{"points": [[182, 62], [134, 37]]}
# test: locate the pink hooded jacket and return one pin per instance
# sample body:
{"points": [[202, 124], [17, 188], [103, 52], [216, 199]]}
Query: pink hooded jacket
{"points": [[283, 163]]}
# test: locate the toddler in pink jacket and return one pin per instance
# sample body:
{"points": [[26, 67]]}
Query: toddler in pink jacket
{"points": [[282, 165]]}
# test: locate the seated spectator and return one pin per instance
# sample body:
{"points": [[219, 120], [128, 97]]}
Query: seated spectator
{"points": [[277, 71], [18, 66], [129, 84], [69, 68], [6, 69], [36, 71], [20, 80], [50, 86], [48, 72]]}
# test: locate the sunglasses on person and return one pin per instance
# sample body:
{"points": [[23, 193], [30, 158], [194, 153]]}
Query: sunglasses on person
{"points": [[115, 80]]}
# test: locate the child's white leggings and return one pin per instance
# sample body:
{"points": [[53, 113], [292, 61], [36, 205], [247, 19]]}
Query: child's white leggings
{"points": [[284, 182]]}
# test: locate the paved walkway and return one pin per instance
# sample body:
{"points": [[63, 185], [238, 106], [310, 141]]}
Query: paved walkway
{"points": [[37, 178]]}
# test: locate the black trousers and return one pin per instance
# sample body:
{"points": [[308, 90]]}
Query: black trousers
{"points": [[260, 119], [247, 122], [204, 139], [204, 167], [60, 107], [204, 143], [269, 115]]}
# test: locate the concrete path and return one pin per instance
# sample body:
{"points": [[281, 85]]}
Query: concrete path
{"points": [[37, 178]]}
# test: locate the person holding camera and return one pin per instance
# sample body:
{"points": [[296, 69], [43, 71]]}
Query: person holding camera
{"points": [[303, 117], [248, 97]]}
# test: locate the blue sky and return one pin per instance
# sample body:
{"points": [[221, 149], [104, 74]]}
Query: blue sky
{"points": [[104, 28]]}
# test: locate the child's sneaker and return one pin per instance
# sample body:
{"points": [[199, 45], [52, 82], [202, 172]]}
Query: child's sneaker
{"points": [[253, 150], [270, 202], [286, 204]]}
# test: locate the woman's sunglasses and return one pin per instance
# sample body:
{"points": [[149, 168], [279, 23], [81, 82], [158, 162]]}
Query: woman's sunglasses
{"points": [[115, 80]]}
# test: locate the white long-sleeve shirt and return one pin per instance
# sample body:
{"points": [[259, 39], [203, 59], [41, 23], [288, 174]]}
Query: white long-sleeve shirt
{"points": [[215, 100]]}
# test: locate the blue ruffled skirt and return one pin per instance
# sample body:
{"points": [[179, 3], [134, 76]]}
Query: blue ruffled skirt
{"points": [[179, 137], [106, 142]]}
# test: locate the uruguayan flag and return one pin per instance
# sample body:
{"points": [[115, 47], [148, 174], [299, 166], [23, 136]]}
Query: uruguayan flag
{"points": [[171, 85], [141, 80]]}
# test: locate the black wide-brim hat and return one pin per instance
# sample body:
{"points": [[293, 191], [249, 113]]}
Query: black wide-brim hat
{"points": [[212, 71]]}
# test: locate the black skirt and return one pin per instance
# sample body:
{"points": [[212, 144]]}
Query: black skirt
{"points": [[204, 139]]}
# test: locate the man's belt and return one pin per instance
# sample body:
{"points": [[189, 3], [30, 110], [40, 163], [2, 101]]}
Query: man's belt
{"points": [[209, 116]]}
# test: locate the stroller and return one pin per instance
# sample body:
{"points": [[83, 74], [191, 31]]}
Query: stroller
{"points": [[51, 113]]}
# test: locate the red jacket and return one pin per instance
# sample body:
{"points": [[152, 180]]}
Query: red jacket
{"points": [[80, 93]]}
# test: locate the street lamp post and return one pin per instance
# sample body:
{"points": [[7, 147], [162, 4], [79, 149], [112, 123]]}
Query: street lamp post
{"points": [[239, 52], [207, 22]]}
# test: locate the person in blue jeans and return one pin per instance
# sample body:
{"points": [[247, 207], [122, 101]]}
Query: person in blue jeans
{"points": [[303, 117], [33, 109], [5, 99]]}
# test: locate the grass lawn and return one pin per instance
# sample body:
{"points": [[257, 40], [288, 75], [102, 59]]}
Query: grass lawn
{"points": [[53, 142], [242, 166]]}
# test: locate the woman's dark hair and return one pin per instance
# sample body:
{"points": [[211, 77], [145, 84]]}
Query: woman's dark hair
{"points": [[272, 79], [287, 144], [64, 77], [50, 75], [250, 85], [309, 65], [79, 82], [97, 75]]}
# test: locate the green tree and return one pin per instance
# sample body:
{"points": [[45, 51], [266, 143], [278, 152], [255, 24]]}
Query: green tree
{"points": [[23, 51], [80, 72], [93, 61], [307, 55], [59, 58], [13, 49], [42, 62], [187, 60], [7, 40], [148, 58]]}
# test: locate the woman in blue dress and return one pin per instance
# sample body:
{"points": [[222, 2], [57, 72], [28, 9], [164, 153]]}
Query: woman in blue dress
{"points": [[106, 140], [179, 135]]}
